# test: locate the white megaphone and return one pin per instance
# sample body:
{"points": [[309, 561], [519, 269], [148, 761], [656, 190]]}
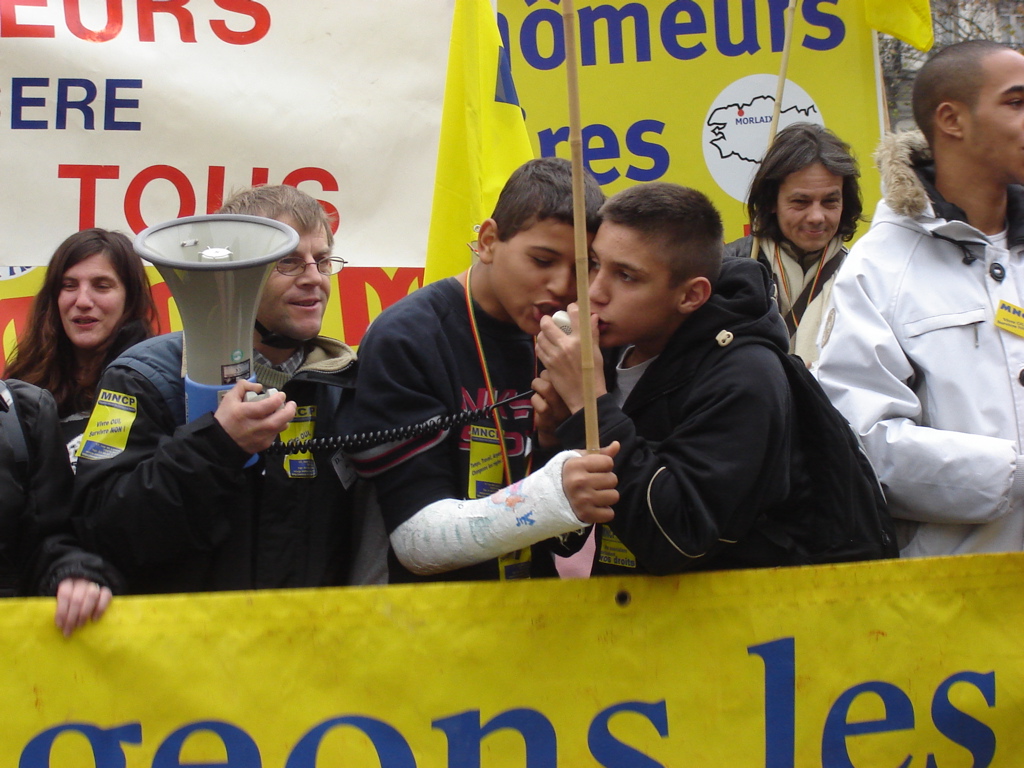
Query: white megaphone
{"points": [[215, 267]]}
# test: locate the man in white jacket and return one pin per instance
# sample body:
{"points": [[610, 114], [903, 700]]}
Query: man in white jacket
{"points": [[922, 349]]}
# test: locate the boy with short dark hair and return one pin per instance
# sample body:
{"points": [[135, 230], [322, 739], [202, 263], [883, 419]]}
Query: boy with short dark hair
{"points": [[705, 451], [455, 502]]}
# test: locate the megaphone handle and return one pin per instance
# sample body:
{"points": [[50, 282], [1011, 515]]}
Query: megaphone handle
{"points": [[201, 398], [204, 398]]}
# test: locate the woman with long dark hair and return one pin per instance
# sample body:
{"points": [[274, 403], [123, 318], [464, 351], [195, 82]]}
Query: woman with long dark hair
{"points": [[94, 303], [804, 205]]}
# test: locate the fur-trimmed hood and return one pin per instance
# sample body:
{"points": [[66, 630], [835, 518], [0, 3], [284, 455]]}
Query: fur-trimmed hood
{"points": [[908, 186], [897, 157]]}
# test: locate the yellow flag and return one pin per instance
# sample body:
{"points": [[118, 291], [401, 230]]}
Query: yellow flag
{"points": [[483, 137], [906, 20]]}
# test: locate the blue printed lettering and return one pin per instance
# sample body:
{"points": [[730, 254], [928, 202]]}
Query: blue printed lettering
{"points": [[65, 103], [104, 742], [672, 29], [814, 16], [777, 23], [959, 727], [612, 753], [600, 143], [613, 18], [21, 101], [639, 146], [114, 103], [683, 31], [529, 42], [748, 18], [779, 658], [392, 749], [465, 734], [550, 139], [72, 94], [899, 716], [239, 748]]}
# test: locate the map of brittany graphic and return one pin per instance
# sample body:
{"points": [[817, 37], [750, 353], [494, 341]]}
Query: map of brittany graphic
{"points": [[739, 130]]}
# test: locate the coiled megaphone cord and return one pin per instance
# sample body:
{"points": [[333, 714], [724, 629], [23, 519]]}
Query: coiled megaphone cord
{"points": [[363, 440]]}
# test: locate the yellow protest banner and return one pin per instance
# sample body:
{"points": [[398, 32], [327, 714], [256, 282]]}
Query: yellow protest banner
{"points": [[899, 663], [683, 90]]}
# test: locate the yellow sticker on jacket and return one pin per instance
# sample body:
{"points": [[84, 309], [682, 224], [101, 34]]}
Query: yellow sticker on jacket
{"points": [[110, 423], [486, 477], [1010, 318], [486, 471], [514, 565], [302, 427], [613, 551]]}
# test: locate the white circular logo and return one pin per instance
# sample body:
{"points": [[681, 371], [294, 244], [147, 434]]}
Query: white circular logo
{"points": [[735, 132]]}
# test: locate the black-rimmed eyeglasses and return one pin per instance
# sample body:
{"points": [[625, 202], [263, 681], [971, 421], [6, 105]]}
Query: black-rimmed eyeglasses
{"points": [[296, 265]]}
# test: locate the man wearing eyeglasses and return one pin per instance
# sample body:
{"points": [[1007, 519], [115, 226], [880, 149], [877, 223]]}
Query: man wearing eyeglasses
{"points": [[173, 504]]}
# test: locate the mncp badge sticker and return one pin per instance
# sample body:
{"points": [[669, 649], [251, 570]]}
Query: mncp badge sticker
{"points": [[302, 427], [107, 432]]}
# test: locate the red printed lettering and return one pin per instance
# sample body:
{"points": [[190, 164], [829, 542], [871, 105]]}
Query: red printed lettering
{"points": [[260, 22], [73, 18], [214, 188], [176, 8], [354, 286], [253, 16], [133, 198], [327, 182], [87, 174], [9, 26]]}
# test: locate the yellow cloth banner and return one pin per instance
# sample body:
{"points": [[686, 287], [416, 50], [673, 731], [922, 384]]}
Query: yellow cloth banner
{"points": [[683, 90], [901, 663], [483, 137], [906, 20]]}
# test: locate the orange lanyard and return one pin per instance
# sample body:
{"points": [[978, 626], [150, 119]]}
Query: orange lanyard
{"points": [[785, 280], [487, 378]]}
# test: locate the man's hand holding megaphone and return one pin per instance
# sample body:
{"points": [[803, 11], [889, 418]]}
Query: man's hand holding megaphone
{"points": [[253, 425]]}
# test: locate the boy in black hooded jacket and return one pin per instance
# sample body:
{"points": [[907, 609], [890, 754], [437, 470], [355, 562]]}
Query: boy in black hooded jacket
{"points": [[705, 450]]}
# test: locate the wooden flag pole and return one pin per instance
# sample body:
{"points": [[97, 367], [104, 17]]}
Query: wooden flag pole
{"points": [[780, 89], [579, 210]]}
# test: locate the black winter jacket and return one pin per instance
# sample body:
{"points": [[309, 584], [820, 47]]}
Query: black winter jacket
{"points": [[37, 547], [704, 453], [177, 511]]}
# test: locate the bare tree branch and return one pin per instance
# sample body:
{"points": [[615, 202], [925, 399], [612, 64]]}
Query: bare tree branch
{"points": [[952, 21]]}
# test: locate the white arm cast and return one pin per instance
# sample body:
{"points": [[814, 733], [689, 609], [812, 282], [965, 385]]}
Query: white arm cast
{"points": [[452, 533]]}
